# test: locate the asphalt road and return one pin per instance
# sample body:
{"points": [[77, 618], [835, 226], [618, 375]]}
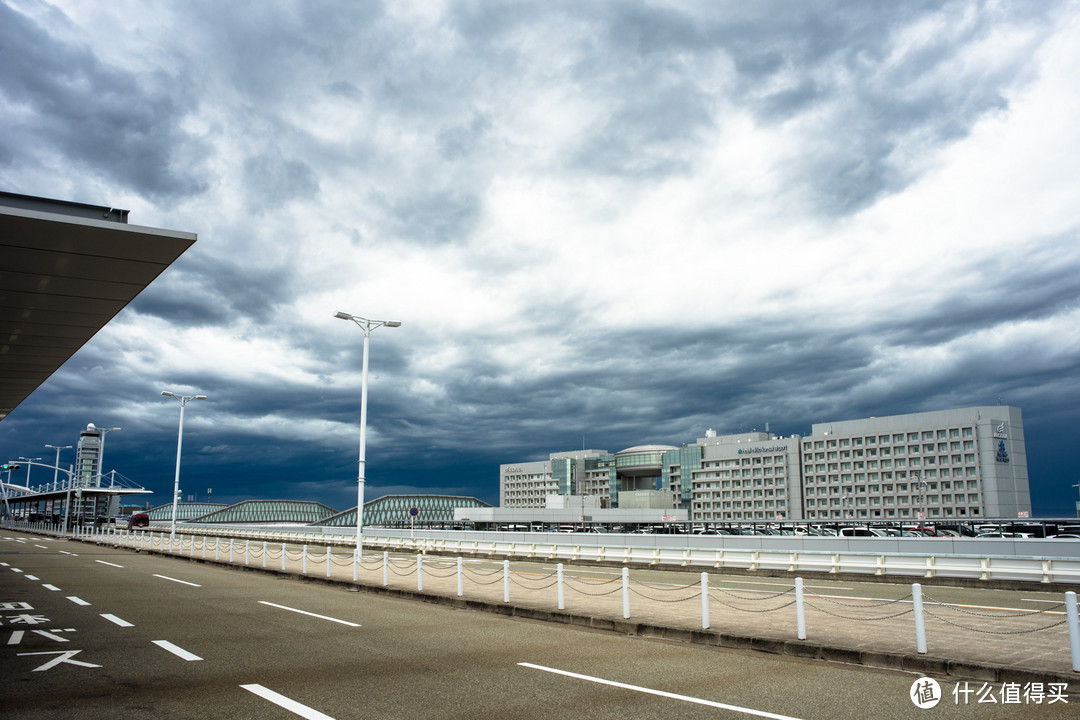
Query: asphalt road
{"points": [[94, 632]]}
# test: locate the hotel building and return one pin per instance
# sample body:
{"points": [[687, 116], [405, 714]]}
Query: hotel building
{"points": [[962, 463]]}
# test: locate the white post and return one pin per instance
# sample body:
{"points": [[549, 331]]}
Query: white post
{"points": [[355, 567], [705, 600], [626, 593], [247, 551], [1074, 628], [386, 568], [217, 548], [506, 581], [232, 546], [420, 572], [264, 553], [460, 588], [800, 609], [328, 559], [562, 590], [283, 557], [304, 569], [920, 625]]}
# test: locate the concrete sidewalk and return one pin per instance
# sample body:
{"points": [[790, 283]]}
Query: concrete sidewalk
{"points": [[979, 644]]}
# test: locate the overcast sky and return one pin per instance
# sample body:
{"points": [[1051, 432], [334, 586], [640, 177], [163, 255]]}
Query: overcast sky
{"points": [[600, 223]]}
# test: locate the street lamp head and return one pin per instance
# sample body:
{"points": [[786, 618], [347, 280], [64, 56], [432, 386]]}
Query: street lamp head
{"points": [[166, 393], [344, 316], [200, 397], [392, 323]]}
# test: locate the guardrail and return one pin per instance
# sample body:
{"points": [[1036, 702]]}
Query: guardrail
{"points": [[839, 557]]}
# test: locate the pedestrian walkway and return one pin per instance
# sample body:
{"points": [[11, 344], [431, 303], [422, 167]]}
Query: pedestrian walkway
{"points": [[977, 643]]}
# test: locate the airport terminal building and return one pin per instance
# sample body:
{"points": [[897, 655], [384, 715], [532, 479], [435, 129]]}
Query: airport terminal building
{"points": [[962, 463]]}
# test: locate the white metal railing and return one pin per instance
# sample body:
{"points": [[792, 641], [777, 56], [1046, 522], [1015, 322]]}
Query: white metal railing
{"points": [[1040, 569]]}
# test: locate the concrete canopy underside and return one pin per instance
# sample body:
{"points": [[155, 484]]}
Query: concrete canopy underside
{"points": [[67, 270]]}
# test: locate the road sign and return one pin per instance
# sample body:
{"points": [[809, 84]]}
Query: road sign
{"points": [[414, 511]]}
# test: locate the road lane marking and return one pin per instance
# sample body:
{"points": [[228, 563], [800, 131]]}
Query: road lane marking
{"points": [[16, 570], [47, 586], [661, 693], [77, 601], [119, 621], [31, 577], [65, 552], [184, 582], [43, 547], [16, 637], [305, 612], [175, 650], [291, 705], [108, 563]]}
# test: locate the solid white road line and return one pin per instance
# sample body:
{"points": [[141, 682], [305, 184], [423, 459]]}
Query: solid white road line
{"points": [[119, 621], [175, 650], [109, 563], [184, 582], [661, 693], [305, 612], [291, 705]]}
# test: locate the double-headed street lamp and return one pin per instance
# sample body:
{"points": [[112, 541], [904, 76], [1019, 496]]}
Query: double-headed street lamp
{"points": [[367, 326], [56, 465], [179, 442]]}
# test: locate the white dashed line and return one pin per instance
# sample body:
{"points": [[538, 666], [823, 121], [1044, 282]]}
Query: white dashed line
{"points": [[291, 705], [305, 612], [108, 563], [184, 582], [119, 621], [661, 693], [77, 601], [177, 651], [47, 586]]}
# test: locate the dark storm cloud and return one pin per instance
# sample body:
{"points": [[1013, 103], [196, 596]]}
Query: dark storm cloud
{"points": [[201, 290], [271, 180], [75, 111]]}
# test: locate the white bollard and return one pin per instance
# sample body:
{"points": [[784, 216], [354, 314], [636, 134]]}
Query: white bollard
{"points": [[562, 590], [626, 593], [247, 552], [705, 601], [920, 625], [283, 557], [304, 570], [355, 566], [800, 609], [506, 581], [420, 572], [232, 545], [264, 553], [328, 558], [386, 568], [460, 585], [1074, 628]]}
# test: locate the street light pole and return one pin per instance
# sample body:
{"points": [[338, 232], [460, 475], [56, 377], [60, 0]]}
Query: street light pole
{"points": [[367, 326], [29, 462], [179, 442], [56, 465]]}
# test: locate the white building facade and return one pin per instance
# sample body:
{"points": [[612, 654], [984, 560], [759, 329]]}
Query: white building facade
{"points": [[962, 463]]}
